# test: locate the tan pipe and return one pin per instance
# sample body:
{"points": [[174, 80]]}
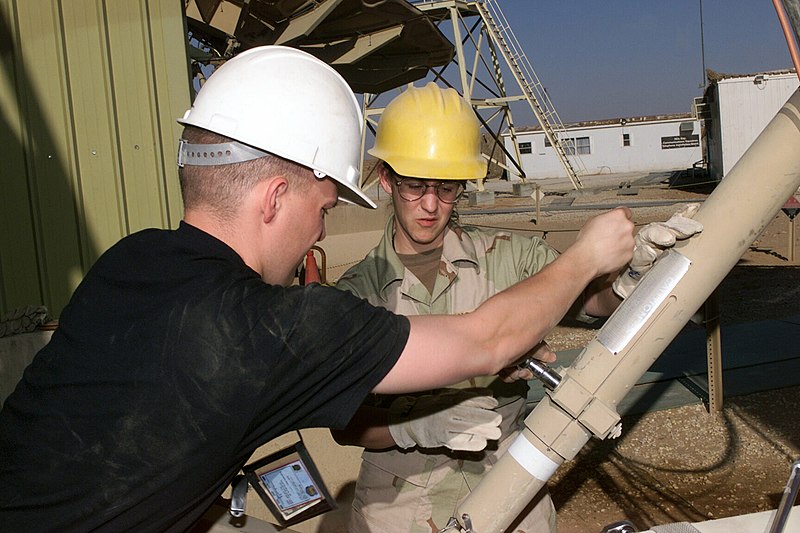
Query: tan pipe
{"points": [[585, 401]]}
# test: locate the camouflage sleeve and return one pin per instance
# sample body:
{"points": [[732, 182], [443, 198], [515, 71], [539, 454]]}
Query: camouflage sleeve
{"points": [[537, 254], [354, 281], [534, 254], [345, 284]]}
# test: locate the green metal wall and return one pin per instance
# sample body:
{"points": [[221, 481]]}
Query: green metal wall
{"points": [[89, 94]]}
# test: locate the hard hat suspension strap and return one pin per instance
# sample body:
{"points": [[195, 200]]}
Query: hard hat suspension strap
{"points": [[216, 154]]}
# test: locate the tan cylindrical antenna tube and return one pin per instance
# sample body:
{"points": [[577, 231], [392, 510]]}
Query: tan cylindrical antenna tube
{"points": [[585, 400]]}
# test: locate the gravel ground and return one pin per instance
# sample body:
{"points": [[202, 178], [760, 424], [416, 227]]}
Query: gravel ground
{"points": [[679, 464], [683, 465]]}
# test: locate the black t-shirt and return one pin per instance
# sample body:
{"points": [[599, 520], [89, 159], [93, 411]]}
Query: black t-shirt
{"points": [[172, 363]]}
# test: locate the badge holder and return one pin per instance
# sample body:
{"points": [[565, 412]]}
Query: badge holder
{"points": [[290, 485]]}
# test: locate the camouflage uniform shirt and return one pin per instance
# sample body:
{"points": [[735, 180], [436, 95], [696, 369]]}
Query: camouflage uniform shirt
{"points": [[418, 489]]}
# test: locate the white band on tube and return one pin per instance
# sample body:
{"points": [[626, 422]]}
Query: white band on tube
{"points": [[531, 459]]}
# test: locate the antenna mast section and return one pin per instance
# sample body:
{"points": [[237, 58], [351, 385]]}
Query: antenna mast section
{"points": [[488, 39]]}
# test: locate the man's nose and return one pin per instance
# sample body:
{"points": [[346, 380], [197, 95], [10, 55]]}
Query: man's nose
{"points": [[430, 199]]}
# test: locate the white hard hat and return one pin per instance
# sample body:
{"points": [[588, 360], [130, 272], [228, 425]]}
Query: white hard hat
{"points": [[285, 102]]}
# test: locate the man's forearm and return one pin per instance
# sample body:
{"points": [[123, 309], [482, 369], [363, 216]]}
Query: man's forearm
{"points": [[445, 349], [442, 350], [521, 316]]}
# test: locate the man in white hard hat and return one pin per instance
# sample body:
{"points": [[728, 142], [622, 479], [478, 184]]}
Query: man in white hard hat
{"points": [[418, 465], [184, 350]]}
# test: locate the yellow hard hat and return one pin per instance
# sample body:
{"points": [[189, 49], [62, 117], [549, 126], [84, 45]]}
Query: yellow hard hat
{"points": [[430, 133]]}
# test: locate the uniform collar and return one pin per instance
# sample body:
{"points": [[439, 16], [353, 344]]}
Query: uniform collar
{"points": [[457, 248]]}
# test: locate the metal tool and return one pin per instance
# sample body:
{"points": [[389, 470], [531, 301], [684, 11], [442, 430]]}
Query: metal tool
{"points": [[549, 377]]}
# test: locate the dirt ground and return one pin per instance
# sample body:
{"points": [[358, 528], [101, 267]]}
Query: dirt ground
{"points": [[683, 464]]}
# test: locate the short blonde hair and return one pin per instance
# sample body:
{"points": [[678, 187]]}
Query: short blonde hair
{"points": [[221, 189]]}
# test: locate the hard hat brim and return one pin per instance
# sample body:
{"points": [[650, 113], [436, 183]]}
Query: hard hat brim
{"points": [[413, 167]]}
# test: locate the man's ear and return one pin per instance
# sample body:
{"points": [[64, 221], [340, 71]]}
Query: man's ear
{"points": [[272, 197], [386, 183]]}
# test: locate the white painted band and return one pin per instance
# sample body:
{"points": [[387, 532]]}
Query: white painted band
{"points": [[531, 459]]}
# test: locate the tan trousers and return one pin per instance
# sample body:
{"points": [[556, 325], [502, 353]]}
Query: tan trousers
{"points": [[386, 503]]}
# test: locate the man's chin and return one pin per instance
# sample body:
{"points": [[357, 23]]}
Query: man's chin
{"points": [[426, 238]]}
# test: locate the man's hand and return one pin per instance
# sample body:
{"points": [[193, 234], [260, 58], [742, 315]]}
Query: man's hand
{"points": [[651, 241], [541, 352], [459, 419], [606, 241]]}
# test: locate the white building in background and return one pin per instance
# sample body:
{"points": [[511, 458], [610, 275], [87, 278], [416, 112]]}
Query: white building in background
{"points": [[636, 144], [737, 109]]}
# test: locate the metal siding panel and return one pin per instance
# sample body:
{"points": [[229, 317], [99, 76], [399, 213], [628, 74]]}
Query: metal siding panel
{"points": [[133, 86], [50, 148], [743, 120], [172, 85], [89, 99], [97, 174], [746, 109], [19, 267]]}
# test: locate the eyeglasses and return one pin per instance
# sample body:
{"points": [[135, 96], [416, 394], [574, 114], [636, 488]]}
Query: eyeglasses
{"points": [[411, 189]]}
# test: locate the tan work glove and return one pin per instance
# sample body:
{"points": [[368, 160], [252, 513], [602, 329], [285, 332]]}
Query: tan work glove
{"points": [[651, 241], [459, 419]]}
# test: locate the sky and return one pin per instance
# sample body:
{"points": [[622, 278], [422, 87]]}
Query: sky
{"points": [[623, 58]]}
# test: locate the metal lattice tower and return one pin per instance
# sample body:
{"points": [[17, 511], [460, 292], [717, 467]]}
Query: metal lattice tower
{"points": [[483, 41], [499, 29]]}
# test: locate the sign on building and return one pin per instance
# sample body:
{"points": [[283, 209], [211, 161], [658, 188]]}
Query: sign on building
{"points": [[680, 141]]}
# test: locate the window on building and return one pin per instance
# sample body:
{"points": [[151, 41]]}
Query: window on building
{"points": [[525, 148], [547, 143], [626, 139], [571, 145], [584, 148]]}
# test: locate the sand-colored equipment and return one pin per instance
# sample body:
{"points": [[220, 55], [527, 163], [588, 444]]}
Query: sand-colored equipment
{"points": [[583, 399]]}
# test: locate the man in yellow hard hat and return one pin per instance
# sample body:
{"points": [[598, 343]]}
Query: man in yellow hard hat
{"points": [[425, 452]]}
